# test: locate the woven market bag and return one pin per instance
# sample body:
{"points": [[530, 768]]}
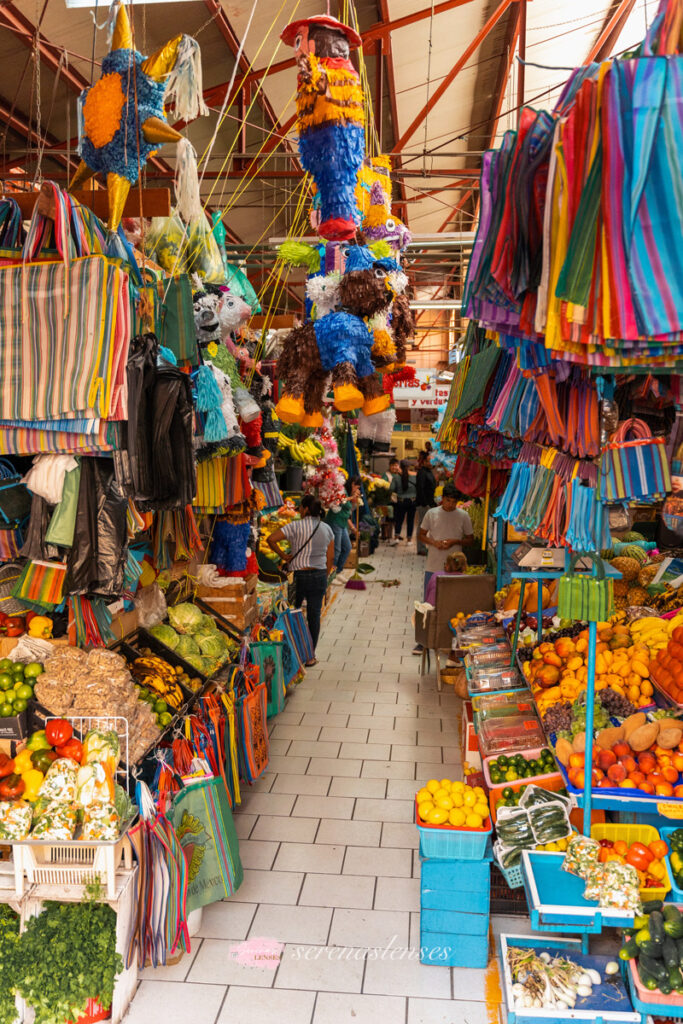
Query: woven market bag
{"points": [[178, 332], [585, 598], [267, 654], [251, 717], [634, 464]]}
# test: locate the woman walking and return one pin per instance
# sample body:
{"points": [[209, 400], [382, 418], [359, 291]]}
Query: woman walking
{"points": [[338, 521], [403, 486], [311, 560], [425, 485]]}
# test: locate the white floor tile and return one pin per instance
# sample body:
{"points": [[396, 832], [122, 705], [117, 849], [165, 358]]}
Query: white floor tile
{"points": [[331, 766], [314, 748], [372, 788], [334, 1008], [279, 747], [390, 736], [244, 823], [379, 721], [401, 752], [257, 853], [310, 706], [289, 765], [377, 928], [291, 924], [181, 1003], [398, 835], [287, 830], [216, 964], [366, 751], [269, 887], [321, 969], [310, 785], [310, 857], [356, 833], [294, 732], [406, 976], [444, 1011], [268, 803], [338, 890], [226, 919], [401, 789], [323, 806], [274, 1006], [329, 721], [388, 770], [379, 861], [383, 810], [344, 735], [469, 983], [397, 893]]}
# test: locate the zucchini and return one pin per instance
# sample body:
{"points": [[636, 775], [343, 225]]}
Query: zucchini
{"points": [[679, 947], [675, 979], [656, 926], [651, 905], [671, 913], [665, 988], [647, 979], [670, 953], [673, 922], [653, 949], [655, 967], [643, 936]]}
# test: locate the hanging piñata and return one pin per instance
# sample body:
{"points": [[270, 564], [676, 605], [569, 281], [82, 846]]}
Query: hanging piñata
{"points": [[330, 118], [122, 114]]}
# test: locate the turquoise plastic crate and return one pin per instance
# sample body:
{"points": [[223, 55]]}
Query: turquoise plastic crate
{"points": [[454, 844], [513, 876], [455, 875], [676, 894], [659, 1010], [454, 921], [445, 949]]}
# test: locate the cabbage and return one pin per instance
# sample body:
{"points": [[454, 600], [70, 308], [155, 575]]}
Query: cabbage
{"points": [[203, 665], [166, 635], [207, 625], [213, 646], [186, 618], [187, 645]]}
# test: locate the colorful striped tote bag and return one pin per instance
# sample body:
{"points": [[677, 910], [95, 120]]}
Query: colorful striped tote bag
{"points": [[41, 584]]}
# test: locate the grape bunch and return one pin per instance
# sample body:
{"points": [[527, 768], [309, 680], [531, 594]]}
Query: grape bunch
{"points": [[558, 718], [615, 705]]}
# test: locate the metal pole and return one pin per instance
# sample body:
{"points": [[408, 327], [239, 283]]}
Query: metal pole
{"points": [[522, 58]]}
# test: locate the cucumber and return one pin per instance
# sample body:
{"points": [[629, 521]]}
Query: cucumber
{"points": [[671, 913], [653, 949], [673, 922], [656, 926], [670, 953], [643, 935], [655, 967], [640, 922], [679, 947], [651, 905], [675, 979], [647, 979], [630, 950], [665, 988]]}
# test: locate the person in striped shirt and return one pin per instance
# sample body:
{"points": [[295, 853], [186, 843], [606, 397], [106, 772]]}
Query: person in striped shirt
{"points": [[311, 560]]}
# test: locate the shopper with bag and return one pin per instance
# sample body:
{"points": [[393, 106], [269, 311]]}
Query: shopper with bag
{"points": [[339, 519], [403, 487], [311, 560]]}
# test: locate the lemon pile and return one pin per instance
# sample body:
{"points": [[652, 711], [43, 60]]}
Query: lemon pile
{"points": [[452, 803]]}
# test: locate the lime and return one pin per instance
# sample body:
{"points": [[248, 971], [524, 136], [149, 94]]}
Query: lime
{"points": [[6, 710], [33, 670], [25, 692], [503, 761], [19, 706], [6, 665], [9, 696], [508, 793], [6, 681], [165, 719], [18, 669], [160, 707], [511, 775]]}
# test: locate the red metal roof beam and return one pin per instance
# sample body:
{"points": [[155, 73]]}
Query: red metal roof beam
{"points": [[607, 39]]}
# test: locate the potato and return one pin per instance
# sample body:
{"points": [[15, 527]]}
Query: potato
{"points": [[669, 738], [643, 738], [606, 738], [579, 743], [669, 723], [563, 751], [632, 723]]}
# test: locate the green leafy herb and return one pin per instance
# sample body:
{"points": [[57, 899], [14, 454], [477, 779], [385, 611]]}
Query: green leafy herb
{"points": [[66, 956], [9, 933]]}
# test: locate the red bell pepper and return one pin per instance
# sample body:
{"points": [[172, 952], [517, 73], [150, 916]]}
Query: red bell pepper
{"points": [[639, 856], [15, 625], [73, 748], [58, 732], [6, 765], [11, 787]]}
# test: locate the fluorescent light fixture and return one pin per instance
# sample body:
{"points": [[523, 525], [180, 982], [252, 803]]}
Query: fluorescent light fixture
{"points": [[435, 304]]}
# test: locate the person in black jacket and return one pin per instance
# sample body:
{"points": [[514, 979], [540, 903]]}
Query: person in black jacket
{"points": [[425, 484]]}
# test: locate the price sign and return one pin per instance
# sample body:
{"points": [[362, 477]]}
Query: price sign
{"points": [[671, 810]]}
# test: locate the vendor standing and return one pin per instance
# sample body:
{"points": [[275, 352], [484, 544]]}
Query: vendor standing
{"points": [[445, 530], [425, 485]]}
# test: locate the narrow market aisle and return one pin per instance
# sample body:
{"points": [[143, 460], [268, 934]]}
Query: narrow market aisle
{"points": [[329, 846]]}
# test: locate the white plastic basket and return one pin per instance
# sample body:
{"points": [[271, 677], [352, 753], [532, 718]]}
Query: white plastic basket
{"points": [[70, 863]]}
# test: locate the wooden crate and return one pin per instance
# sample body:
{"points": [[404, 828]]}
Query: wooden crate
{"points": [[240, 611]]}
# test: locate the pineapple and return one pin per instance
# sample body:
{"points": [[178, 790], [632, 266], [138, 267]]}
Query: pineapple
{"points": [[628, 567]]}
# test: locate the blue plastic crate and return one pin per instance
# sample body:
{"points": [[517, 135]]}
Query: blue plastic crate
{"points": [[454, 921], [454, 844], [513, 876], [446, 949], [488, 855], [456, 875], [659, 1010]]}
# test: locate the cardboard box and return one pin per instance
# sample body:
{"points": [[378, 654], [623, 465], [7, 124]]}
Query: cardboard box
{"points": [[15, 727]]}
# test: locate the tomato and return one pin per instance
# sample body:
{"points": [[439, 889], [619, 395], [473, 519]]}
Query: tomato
{"points": [[58, 732], [6, 765], [659, 849], [73, 748], [12, 787]]}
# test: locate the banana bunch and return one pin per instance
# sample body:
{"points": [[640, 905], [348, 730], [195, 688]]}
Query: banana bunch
{"points": [[653, 632], [156, 674], [306, 453]]}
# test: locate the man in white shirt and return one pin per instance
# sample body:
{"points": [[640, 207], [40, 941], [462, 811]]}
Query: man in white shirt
{"points": [[444, 530]]}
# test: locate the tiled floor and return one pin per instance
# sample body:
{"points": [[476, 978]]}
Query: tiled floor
{"points": [[328, 843]]}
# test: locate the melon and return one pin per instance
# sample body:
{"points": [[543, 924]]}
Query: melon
{"points": [[633, 551]]}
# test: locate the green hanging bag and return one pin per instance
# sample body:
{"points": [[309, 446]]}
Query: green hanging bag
{"points": [[586, 598], [177, 319]]}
